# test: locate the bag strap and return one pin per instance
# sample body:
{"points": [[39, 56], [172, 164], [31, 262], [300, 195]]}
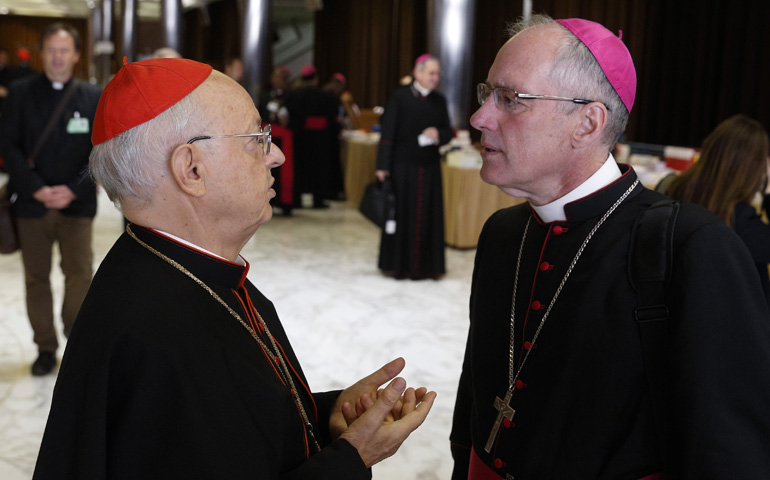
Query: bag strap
{"points": [[650, 260], [52, 119]]}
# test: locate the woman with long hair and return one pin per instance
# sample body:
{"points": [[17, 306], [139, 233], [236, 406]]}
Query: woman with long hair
{"points": [[732, 169]]}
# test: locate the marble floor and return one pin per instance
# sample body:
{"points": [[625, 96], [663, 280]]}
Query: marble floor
{"points": [[343, 317]]}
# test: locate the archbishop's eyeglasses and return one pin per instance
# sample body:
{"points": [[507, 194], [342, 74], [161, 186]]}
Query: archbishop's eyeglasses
{"points": [[507, 99], [263, 137]]}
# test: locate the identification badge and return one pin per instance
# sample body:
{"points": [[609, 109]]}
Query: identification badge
{"points": [[78, 125], [390, 227]]}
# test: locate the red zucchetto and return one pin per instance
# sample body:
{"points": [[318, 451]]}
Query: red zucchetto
{"points": [[140, 91]]}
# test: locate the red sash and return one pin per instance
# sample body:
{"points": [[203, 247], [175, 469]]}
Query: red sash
{"points": [[316, 123]]}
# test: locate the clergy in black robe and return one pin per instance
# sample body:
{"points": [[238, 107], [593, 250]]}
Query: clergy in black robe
{"points": [[555, 383], [179, 367], [312, 118], [161, 381], [415, 123], [584, 407]]}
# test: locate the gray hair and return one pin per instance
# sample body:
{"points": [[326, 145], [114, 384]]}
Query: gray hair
{"points": [[576, 71], [131, 164]]}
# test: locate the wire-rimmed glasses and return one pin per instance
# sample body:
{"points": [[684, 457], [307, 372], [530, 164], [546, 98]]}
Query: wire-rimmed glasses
{"points": [[507, 99], [263, 137]]}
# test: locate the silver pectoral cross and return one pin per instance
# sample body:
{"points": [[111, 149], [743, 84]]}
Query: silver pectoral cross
{"points": [[504, 411]]}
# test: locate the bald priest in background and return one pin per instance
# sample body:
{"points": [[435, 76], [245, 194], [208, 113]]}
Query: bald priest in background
{"points": [[178, 367]]}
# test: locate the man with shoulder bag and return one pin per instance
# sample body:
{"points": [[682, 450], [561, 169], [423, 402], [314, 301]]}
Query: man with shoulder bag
{"points": [[45, 132]]}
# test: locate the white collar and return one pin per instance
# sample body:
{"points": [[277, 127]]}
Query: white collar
{"points": [[554, 211], [423, 91], [240, 260]]}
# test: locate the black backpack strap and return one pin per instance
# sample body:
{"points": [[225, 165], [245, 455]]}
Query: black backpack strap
{"points": [[650, 260]]}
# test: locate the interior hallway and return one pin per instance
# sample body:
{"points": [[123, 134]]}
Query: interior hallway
{"points": [[343, 317]]}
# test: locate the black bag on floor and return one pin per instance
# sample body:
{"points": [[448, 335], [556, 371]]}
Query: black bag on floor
{"points": [[378, 203]]}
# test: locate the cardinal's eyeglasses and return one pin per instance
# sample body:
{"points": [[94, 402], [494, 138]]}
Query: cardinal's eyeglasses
{"points": [[263, 138]]}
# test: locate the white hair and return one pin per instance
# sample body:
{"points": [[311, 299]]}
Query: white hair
{"points": [[131, 164]]}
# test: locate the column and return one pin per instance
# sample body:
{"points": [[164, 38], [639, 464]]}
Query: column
{"points": [[450, 25], [104, 47], [255, 44], [129, 22], [172, 24]]}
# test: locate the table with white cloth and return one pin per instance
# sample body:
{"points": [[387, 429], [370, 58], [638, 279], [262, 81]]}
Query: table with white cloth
{"points": [[468, 200], [359, 161]]}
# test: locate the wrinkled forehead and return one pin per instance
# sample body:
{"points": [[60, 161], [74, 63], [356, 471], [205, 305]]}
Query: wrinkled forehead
{"points": [[226, 103]]}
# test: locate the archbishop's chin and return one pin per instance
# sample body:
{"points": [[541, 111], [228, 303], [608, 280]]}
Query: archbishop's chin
{"points": [[487, 172]]}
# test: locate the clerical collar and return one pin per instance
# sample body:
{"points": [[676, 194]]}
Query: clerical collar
{"points": [[422, 90], [56, 85], [554, 211], [240, 260]]}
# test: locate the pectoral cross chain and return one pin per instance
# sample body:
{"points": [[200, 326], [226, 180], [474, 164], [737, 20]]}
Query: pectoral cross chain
{"points": [[504, 410]]}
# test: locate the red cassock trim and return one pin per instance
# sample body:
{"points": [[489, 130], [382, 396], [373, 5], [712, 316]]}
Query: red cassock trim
{"points": [[478, 470], [254, 319]]}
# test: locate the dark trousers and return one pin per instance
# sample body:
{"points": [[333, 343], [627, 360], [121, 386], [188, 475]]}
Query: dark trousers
{"points": [[36, 237]]}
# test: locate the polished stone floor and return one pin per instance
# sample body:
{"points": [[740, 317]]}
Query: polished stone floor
{"points": [[343, 317]]}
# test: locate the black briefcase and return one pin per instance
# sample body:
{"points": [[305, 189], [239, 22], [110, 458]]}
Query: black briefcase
{"points": [[379, 203]]}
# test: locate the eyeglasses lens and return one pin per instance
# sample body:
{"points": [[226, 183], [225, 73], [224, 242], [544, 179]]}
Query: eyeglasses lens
{"points": [[268, 141], [482, 93]]}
